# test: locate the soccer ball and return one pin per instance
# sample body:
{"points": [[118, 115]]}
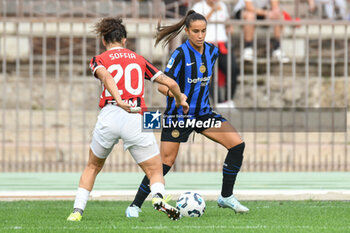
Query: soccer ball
{"points": [[191, 204]]}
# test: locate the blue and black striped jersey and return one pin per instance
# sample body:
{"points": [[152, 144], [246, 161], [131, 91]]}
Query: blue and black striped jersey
{"points": [[192, 71]]}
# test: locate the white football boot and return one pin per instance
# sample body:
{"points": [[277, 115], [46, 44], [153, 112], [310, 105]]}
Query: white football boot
{"points": [[161, 204], [132, 211], [233, 203]]}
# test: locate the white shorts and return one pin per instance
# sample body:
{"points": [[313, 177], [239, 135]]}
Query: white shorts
{"points": [[113, 123]]}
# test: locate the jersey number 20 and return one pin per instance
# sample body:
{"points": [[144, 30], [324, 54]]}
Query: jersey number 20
{"points": [[127, 78]]}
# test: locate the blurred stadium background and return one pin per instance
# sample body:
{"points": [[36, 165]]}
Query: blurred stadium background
{"points": [[49, 99]]}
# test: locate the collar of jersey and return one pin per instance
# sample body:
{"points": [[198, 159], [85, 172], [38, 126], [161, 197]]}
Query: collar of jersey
{"points": [[115, 48], [195, 51]]}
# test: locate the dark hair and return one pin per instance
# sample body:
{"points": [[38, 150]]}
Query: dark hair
{"points": [[167, 33], [111, 29]]}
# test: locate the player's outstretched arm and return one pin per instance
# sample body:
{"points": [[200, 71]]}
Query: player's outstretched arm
{"points": [[169, 87], [165, 90], [108, 81]]}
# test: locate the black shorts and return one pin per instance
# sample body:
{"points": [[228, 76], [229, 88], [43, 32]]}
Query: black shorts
{"points": [[181, 134], [239, 15]]}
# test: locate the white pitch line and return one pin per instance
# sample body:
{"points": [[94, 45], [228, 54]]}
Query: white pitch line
{"points": [[187, 227], [264, 194]]}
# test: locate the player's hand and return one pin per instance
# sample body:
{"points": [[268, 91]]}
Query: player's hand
{"points": [[182, 102], [124, 106]]}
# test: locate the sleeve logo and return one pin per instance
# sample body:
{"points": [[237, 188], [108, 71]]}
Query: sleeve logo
{"points": [[170, 63]]}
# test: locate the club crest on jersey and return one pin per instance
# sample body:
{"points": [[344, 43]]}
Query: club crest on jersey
{"points": [[170, 63], [152, 120], [202, 68]]}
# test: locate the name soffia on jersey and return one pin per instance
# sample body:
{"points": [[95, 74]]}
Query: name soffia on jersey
{"points": [[122, 55]]}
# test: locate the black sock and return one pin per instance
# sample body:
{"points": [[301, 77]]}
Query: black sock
{"points": [[248, 44], [78, 210], [275, 44], [144, 189], [232, 165]]}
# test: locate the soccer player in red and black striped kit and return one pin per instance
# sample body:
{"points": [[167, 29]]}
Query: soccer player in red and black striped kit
{"points": [[122, 73], [191, 65]]}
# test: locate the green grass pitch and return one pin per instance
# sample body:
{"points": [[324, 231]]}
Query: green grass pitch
{"points": [[108, 216]]}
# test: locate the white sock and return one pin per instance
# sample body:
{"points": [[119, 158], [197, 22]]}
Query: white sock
{"points": [[157, 188], [81, 198]]}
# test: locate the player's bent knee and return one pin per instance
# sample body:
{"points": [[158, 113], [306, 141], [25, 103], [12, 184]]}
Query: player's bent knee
{"points": [[168, 161], [168, 158], [96, 167], [95, 163], [231, 141]]}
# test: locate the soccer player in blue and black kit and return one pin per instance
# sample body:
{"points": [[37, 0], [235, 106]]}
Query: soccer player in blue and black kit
{"points": [[191, 65]]}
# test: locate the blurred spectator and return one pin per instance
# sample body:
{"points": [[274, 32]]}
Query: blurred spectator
{"points": [[312, 5], [260, 9], [172, 12], [216, 11], [330, 7]]}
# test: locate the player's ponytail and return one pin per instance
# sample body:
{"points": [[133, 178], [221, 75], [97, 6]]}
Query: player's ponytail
{"points": [[167, 33]]}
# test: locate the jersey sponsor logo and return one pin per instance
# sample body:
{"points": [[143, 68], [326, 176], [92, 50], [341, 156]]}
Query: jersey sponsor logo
{"points": [[152, 120], [189, 64], [170, 63], [198, 79]]}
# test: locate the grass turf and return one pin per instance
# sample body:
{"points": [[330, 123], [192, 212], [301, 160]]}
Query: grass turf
{"points": [[108, 216]]}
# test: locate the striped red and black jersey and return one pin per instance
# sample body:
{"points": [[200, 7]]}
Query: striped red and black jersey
{"points": [[129, 71]]}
